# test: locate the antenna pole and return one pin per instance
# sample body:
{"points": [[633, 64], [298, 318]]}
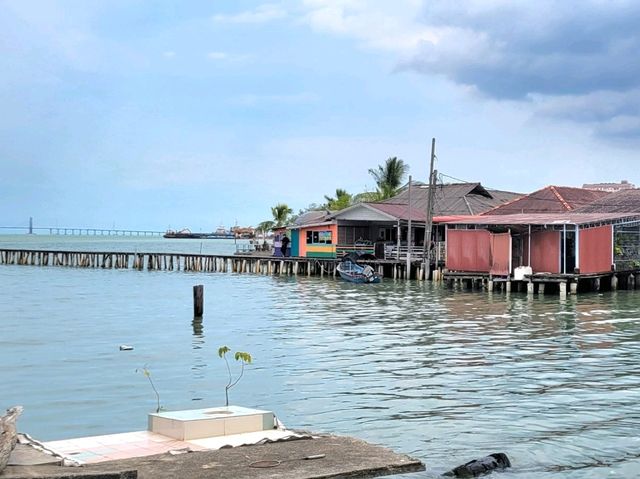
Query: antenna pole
{"points": [[429, 224]]}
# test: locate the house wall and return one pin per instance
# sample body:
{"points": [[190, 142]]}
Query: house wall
{"points": [[501, 253], [596, 247], [318, 250], [468, 250], [545, 251]]}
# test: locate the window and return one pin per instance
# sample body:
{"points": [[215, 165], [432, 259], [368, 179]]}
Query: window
{"points": [[319, 237]]}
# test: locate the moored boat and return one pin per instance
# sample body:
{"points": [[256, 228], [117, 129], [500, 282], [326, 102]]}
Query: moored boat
{"points": [[353, 272]]}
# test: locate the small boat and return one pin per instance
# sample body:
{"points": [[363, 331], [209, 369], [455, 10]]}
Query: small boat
{"points": [[353, 272]]}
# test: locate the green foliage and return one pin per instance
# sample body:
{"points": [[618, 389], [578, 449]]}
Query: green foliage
{"points": [[341, 201], [389, 177], [367, 196], [266, 226], [243, 357], [147, 374], [281, 213]]}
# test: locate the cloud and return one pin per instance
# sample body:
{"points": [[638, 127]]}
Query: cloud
{"points": [[509, 51], [567, 60], [385, 25], [219, 56], [251, 99], [261, 14]]}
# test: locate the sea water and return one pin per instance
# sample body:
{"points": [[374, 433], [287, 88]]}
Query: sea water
{"points": [[445, 376]]}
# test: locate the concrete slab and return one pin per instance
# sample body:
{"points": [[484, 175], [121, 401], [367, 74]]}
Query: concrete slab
{"points": [[342, 457], [24, 455]]}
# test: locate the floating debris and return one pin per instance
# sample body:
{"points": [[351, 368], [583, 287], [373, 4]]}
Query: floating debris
{"points": [[493, 462]]}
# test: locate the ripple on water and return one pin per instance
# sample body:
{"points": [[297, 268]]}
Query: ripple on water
{"points": [[441, 375]]}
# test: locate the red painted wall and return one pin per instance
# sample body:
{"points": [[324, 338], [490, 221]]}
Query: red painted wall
{"points": [[500, 253], [545, 251], [468, 250], [595, 249]]}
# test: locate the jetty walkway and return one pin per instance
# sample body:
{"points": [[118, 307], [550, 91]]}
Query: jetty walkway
{"points": [[235, 263], [337, 457]]}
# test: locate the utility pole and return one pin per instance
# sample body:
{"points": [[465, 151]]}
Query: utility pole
{"points": [[409, 235], [429, 223]]}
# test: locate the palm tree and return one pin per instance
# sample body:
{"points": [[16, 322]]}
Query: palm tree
{"points": [[341, 201], [265, 226], [389, 177], [281, 213]]}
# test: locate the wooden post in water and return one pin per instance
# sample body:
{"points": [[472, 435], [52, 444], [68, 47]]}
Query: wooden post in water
{"points": [[198, 301]]}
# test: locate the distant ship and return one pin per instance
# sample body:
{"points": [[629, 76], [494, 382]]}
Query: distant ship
{"points": [[185, 233]]}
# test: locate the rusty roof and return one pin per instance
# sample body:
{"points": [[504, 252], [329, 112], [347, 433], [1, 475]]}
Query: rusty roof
{"points": [[543, 219], [623, 201], [551, 199]]}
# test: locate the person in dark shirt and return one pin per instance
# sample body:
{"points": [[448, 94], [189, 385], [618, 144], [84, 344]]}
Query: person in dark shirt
{"points": [[285, 244]]}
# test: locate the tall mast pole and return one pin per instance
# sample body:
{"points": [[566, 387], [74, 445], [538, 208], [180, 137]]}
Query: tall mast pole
{"points": [[429, 224], [409, 234]]}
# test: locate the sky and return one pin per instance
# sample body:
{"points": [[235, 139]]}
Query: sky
{"points": [[167, 114]]}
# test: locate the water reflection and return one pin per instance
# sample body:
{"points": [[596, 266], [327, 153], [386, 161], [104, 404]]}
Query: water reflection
{"points": [[199, 365], [198, 331]]}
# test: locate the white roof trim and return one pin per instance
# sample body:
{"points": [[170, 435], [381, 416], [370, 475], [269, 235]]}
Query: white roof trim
{"points": [[367, 206]]}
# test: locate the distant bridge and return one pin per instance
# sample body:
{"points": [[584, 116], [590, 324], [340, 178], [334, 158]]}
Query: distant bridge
{"points": [[56, 230]]}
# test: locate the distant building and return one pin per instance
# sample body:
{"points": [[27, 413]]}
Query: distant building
{"points": [[609, 187]]}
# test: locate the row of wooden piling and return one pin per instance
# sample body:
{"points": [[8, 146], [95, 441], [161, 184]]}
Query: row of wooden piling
{"points": [[561, 284], [203, 263]]}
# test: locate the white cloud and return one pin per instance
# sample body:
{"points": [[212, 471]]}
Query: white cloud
{"points": [[567, 60], [226, 57], [169, 54], [261, 14], [379, 24], [217, 55]]}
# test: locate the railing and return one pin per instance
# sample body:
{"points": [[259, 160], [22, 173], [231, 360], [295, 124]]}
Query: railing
{"points": [[251, 247], [393, 252], [342, 249], [437, 254]]}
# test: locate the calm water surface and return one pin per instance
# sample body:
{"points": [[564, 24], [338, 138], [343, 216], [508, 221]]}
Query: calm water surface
{"points": [[444, 376]]}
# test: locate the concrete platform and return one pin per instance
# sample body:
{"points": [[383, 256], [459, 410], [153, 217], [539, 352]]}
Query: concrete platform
{"points": [[210, 422], [344, 457], [24, 455]]}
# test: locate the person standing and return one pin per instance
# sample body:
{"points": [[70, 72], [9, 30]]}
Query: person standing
{"points": [[285, 244]]}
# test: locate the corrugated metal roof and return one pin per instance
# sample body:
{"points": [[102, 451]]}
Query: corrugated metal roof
{"points": [[542, 219], [550, 199], [624, 201], [449, 199], [312, 217], [401, 211]]}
